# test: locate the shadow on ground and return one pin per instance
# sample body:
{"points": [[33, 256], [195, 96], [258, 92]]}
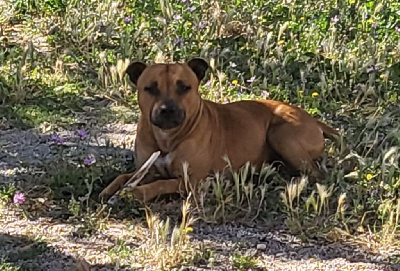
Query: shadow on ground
{"points": [[23, 253]]}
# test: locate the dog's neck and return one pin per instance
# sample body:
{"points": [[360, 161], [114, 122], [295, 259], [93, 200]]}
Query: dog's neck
{"points": [[168, 140]]}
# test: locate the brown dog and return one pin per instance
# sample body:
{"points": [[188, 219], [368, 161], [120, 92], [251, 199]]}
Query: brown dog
{"points": [[185, 128]]}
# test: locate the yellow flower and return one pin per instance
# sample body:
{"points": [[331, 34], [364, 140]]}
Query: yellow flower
{"points": [[352, 1], [189, 229], [234, 82], [315, 94], [189, 24], [369, 176], [370, 20], [301, 18], [280, 42], [301, 92], [9, 172]]}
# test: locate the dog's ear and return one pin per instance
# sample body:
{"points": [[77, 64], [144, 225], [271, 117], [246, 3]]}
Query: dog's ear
{"points": [[199, 66], [134, 70]]}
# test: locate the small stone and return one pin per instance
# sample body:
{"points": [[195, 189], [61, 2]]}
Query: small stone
{"points": [[261, 246]]}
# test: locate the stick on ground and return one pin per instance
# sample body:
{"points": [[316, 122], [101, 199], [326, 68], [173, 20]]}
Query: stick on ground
{"points": [[136, 178]]}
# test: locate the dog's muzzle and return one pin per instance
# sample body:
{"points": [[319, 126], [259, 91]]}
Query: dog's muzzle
{"points": [[168, 116]]}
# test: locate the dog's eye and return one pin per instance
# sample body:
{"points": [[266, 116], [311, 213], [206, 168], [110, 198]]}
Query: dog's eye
{"points": [[152, 89], [182, 88]]}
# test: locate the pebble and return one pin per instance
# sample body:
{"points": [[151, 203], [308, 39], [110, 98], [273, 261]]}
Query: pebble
{"points": [[261, 246]]}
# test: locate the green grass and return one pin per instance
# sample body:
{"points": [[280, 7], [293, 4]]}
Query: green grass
{"points": [[61, 60], [241, 262], [8, 267]]}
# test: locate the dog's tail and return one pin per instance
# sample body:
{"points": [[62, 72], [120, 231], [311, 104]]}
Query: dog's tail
{"points": [[335, 137], [329, 132]]}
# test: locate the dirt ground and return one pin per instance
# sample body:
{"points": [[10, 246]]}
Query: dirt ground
{"points": [[51, 243]]}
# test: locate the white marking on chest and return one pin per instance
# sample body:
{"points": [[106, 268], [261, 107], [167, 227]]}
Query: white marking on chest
{"points": [[164, 141], [163, 135], [163, 164]]}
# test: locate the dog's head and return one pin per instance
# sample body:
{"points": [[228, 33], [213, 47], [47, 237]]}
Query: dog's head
{"points": [[168, 93]]}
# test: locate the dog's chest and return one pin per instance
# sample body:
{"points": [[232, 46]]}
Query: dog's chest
{"points": [[164, 142], [163, 164]]}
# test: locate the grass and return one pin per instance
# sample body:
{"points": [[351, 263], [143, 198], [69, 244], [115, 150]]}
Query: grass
{"points": [[166, 247], [61, 68], [8, 267], [241, 262]]}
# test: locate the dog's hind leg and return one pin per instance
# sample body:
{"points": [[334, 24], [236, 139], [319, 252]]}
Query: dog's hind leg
{"points": [[299, 147]]}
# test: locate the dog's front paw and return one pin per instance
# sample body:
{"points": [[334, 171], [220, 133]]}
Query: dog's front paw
{"points": [[106, 193], [114, 186]]}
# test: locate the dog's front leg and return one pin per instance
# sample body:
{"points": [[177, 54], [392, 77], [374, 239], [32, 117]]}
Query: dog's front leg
{"points": [[150, 191], [115, 185]]}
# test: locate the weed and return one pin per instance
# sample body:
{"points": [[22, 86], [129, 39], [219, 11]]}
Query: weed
{"points": [[7, 192], [235, 195], [243, 262], [165, 247], [8, 266]]}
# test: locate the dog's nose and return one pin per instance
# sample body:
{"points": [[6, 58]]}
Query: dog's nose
{"points": [[168, 115], [168, 108]]}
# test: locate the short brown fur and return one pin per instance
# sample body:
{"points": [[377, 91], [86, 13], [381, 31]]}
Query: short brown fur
{"points": [[256, 131]]}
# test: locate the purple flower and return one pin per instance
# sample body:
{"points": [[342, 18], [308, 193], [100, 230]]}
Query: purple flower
{"points": [[265, 93], [90, 160], [19, 198], [177, 17], [374, 25], [251, 80], [178, 42], [183, 1], [56, 139], [335, 19], [192, 8], [202, 25], [397, 28], [82, 133], [127, 19]]}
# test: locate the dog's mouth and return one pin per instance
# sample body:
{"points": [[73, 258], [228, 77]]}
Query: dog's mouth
{"points": [[167, 125], [166, 122]]}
